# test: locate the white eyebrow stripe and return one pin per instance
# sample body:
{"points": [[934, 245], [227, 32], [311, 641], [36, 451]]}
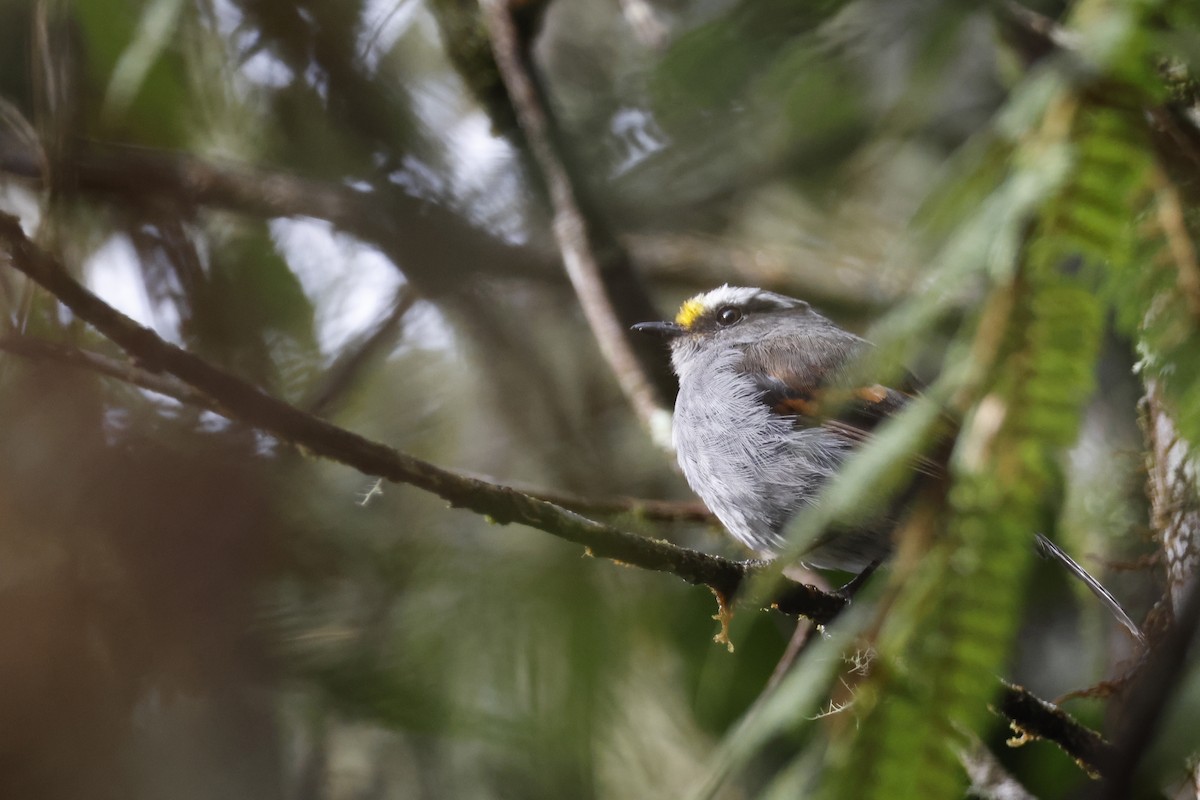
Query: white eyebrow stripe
{"points": [[742, 296], [727, 296]]}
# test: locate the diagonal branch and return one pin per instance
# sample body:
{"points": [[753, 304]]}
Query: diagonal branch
{"points": [[344, 373], [146, 174], [38, 350], [1151, 697], [398, 223], [239, 400], [572, 230], [252, 406], [1034, 718], [649, 509], [1171, 213]]}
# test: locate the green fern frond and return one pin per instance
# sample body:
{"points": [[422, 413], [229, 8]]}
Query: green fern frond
{"points": [[964, 604], [1156, 294]]}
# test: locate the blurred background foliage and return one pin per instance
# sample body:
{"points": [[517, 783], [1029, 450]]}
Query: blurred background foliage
{"points": [[334, 200]]}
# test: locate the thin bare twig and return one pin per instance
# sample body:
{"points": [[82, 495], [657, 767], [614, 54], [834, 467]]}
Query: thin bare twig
{"points": [[165, 385], [399, 224], [989, 779], [648, 509], [344, 372], [1182, 136], [144, 174], [801, 636], [1037, 25], [571, 228], [1172, 220], [252, 406], [644, 22]]}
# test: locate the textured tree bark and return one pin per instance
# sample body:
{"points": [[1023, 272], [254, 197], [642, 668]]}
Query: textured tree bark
{"points": [[1174, 499], [1175, 518]]}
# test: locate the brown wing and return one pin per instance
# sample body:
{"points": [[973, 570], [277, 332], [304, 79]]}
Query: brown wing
{"points": [[807, 380]]}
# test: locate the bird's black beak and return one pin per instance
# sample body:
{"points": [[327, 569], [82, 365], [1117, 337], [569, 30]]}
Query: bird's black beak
{"points": [[665, 330]]}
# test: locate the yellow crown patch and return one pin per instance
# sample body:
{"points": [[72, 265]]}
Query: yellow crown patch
{"points": [[689, 312]]}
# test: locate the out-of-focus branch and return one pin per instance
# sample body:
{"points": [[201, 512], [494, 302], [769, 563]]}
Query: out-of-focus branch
{"points": [[1172, 221], [144, 174], [1180, 133], [645, 508], [1149, 697], [643, 21], [252, 406], [1031, 34], [989, 779], [572, 229], [345, 372], [399, 224], [1175, 133], [653, 510], [822, 278], [165, 385]]}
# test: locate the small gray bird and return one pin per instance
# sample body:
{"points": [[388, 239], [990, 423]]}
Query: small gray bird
{"points": [[766, 414]]}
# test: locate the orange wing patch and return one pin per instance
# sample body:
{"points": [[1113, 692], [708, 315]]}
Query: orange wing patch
{"points": [[829, 400], [872, 394], [804, 406]]}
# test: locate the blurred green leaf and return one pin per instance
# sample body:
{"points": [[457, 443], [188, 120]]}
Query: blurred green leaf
{"points": [[135, 60]]}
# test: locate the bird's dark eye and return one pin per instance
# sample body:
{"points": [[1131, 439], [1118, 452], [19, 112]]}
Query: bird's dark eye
{"points": [[728, 316]]}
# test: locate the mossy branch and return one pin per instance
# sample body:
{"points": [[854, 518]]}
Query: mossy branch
{"points": [[244, 402], [239, 400], [1034, 718]]}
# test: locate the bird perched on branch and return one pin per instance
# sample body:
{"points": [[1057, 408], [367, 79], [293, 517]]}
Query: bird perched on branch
{"points": [[766, 414]]}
